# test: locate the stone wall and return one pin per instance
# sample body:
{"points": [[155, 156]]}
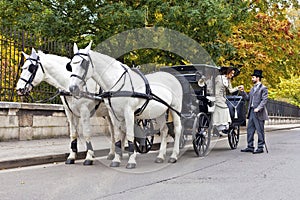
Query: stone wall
{"points": [[26, 121]]}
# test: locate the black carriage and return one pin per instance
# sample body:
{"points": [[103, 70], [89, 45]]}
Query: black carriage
{"points": [[197, 81], [198, 105], [198, 97]]}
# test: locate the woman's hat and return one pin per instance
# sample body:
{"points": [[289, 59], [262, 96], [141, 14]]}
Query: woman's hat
{"points": [[257, 73], [226, 70]]}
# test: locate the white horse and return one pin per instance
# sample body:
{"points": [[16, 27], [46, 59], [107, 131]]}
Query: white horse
{"points": [[125, 93], [40, 67]]}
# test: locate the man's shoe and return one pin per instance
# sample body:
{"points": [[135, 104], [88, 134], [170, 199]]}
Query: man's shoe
{"points": [[248, 150], [258, 151]]}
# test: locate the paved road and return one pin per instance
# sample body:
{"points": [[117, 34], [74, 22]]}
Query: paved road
{"points": [[223, 174]]}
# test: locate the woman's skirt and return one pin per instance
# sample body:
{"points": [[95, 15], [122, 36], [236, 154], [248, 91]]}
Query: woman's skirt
{"points": [[221, 118]]}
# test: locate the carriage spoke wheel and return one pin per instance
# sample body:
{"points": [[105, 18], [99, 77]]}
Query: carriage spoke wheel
{"points": [[201, 134], [143, 145], [234, 136]]}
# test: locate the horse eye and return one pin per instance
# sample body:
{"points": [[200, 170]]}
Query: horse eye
{"points": [[69, 67], [32, 68]]}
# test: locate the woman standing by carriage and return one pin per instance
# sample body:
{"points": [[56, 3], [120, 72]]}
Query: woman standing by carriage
{"points": [[221, 116]]}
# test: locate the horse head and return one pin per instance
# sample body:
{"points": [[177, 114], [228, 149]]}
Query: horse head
{"points": [[80, 68], [32, 73]]}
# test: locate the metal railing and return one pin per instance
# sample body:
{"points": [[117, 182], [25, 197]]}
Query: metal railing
{"points": [[12, 43], [278, 108]]}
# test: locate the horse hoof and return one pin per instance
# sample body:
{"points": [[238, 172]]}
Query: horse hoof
{"points": [[88, 162], [130, 165], [70, 161], [172, 160], [159, 160], [110, 156], [114, 164]]}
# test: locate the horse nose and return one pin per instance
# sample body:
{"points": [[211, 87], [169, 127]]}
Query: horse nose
{"points": [[74, 89], [20, 91]]}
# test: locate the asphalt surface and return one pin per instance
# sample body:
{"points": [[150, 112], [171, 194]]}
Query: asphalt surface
{"points": [[14, 154]]}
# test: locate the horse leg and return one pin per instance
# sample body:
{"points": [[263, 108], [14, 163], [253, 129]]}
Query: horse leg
{"points": [[129, 120], [73, 152], [132, 155], [73, 136], [111, 153], [118, 149], [163, 144], [177, 131], [117, 158], [89, 154], [85, 122]]}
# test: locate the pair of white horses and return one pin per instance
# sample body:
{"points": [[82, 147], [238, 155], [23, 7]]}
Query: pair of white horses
{"points": [[50, 68], [116, 79]]}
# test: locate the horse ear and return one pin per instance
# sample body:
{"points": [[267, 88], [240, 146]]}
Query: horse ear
{"points": [[25, 55], [88, 48], [33, 53], [75, 48]]}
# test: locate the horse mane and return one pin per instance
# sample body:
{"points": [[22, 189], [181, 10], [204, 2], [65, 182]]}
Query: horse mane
{"points": [[107, 59], [58, 58]]}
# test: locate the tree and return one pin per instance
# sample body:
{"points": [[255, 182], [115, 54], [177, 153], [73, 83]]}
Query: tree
{"points": [[269, 42], [207, 21]]}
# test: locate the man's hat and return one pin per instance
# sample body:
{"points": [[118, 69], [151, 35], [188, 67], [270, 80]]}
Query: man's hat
{"points": [[257, 73]]}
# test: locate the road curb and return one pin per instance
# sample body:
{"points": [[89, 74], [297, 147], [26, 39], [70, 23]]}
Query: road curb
{"points": [[47, 159]]}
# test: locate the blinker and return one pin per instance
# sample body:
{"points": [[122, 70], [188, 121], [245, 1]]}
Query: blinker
{"points": [[32, 68], [69, 67]]}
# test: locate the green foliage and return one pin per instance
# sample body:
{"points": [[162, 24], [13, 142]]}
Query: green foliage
{"points": [[287, 90], [206, 21], [248, 33]]}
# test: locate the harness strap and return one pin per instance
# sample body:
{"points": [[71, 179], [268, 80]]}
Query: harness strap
{"points": [[64, 94], [148, 97], [158, 99], [50, 98], [140, 110]]}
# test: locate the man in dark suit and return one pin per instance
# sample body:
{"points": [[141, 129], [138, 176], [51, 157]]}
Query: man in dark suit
{"points": [[257, 112]]}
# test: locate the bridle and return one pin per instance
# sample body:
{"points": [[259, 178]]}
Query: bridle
{"points": [[84, 64], [33, 70]]}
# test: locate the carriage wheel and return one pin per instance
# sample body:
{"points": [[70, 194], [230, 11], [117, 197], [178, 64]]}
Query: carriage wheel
{"points": [[143, 145], [144, 141], [201, 134], [234, 136]]}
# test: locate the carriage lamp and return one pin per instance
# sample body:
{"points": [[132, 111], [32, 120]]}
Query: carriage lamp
{"points": [[202, 85], [201, 81]]}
